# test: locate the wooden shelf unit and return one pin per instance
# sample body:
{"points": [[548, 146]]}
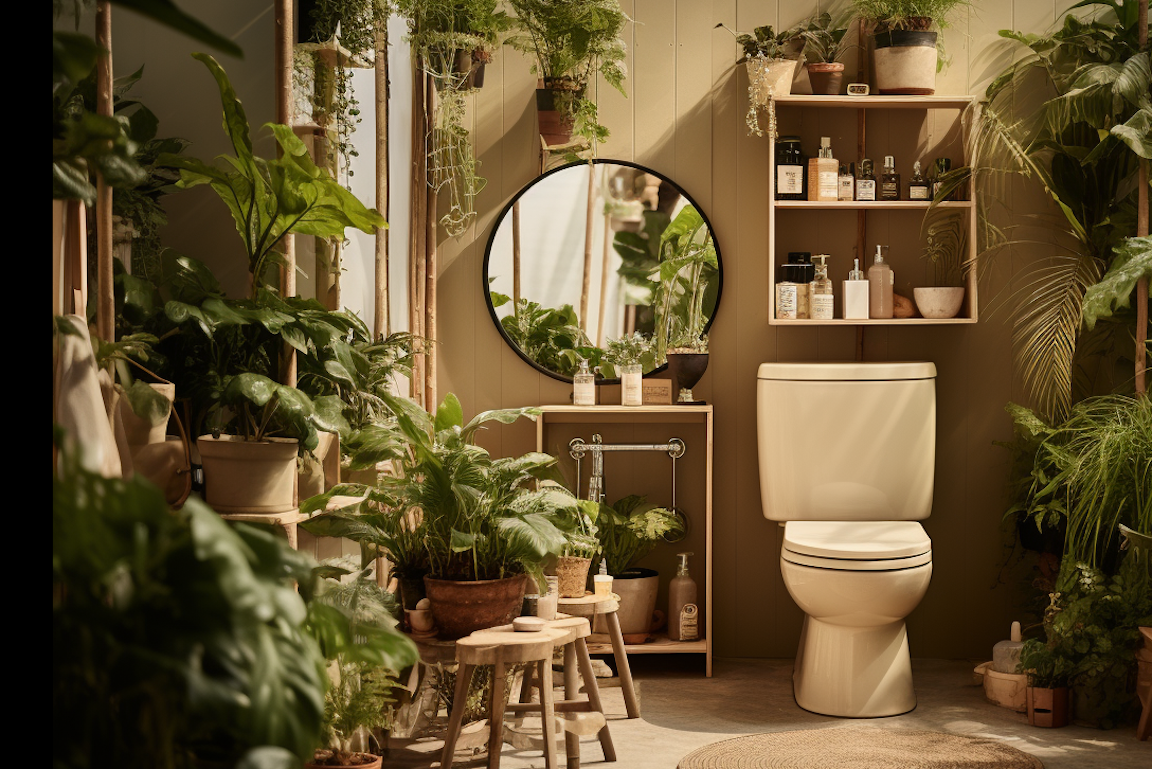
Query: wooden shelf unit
{"points": [[651, 415], [906, 213]]}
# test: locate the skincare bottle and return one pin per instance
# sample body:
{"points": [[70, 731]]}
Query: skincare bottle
{"points": [[786, 295], [856, 294], [865, 182], [790, 169], [918, 187], [823, 173], [802, 274], [603, 581], [683, 612], [820, 299], [889, 180], [880, 282], [846, 189], [583, 386]]}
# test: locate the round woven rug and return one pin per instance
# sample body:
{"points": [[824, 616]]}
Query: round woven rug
{"points": [[858, 748]]}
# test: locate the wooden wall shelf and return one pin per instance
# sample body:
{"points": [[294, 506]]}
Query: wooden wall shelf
{"points": [[702, 415], [877, 101]]}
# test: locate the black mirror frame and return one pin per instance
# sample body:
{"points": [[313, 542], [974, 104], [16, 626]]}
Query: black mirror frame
{"points": [[506, 211]]}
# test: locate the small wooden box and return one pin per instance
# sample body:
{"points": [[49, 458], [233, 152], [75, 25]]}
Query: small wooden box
{"points": [[657, 392]]}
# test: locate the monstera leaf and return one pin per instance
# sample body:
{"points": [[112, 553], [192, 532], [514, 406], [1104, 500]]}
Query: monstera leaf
{"points": [[1132, 261]]}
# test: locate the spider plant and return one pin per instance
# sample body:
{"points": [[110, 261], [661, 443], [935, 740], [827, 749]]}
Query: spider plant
{"points": [[1075, 116]]}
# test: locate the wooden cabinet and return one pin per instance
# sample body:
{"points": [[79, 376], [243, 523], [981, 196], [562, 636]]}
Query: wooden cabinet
{"points": [[649, 472], [910, 128]]}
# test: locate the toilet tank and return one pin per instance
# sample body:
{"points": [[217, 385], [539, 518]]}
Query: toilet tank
{"points": [[846, 441]]}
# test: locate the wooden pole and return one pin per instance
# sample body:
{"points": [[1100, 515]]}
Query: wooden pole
{"points": [[1141, 230], [285, 40], [105, 296], [861, 124], [382, 323], [418, 230], [430, 272], [516, 258], [603, 277], [585, 283]]}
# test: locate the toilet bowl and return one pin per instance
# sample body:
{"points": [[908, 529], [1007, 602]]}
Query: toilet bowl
{"points": [[847, 458]]}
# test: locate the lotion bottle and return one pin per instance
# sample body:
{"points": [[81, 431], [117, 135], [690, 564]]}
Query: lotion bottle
{"points": [[683, 611], [880, 282]]}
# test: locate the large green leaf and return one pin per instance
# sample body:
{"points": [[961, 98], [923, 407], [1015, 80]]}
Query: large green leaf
{"points": [[147, 403], [449, 414], [1132, 261], [167, 13], [503, 416], [1136, 132]]}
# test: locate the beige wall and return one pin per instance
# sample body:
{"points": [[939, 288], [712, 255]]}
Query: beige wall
{"points": [[685, 118]]}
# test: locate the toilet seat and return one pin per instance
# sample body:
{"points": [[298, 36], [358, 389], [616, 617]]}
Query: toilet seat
{"points": [[857, 545]]}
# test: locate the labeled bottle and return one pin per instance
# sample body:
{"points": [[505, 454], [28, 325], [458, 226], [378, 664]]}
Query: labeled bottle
{"points": [[823, 173], [820, 300], [940, 166], [786, 294], [583, 386], [880, 282], [683, 611], [889, 180], [790, 181], [803, 273], [865, 182], [918, 187], [856, 293], [846, 187]]}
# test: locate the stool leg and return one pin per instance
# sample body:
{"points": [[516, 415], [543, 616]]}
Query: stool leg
{"points": [[622, 665], [593, 691], [496, 724], [571, 740], [547, 714], [456, 718], [525, 692]]}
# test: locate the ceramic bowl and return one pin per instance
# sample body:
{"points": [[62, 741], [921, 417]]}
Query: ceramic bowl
{"points": [[939, 302], [420, 620]]}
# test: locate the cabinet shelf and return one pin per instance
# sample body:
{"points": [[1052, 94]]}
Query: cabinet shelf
{"points": [[876, 102], [881, 205], [873, 322]]}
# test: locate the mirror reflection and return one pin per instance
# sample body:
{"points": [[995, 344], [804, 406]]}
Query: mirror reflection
{"points": [[589, 255]]}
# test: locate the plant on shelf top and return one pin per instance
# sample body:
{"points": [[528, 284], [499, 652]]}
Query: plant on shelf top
{"points": [[824, 36], [628, 532], [270, 199], [629, 350], [687, 283], [582, 531], [572, 41], [915, 15], [766, 43]]}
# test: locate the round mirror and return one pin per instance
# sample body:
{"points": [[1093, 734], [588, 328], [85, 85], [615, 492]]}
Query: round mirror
{"points": [[589, 255]]}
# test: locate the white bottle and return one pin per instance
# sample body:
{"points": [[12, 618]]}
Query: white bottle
{"points": [[856, 294], [584, 386]]}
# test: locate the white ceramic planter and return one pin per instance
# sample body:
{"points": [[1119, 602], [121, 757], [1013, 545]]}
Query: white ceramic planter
{"points": [[770, 77], [249, 476], [140, 432], [939, 303], [908, 65]]}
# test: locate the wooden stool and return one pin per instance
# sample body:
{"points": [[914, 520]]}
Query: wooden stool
{"points": [[591, 605], [501, 647], [576, 630]]}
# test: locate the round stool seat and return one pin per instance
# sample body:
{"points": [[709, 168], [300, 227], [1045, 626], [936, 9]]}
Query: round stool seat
{"points": [[482, 647], [589, 605]]}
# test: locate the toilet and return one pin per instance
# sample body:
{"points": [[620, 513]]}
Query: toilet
{"points": [[847, 455]]}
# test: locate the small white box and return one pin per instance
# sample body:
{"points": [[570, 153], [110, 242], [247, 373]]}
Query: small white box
{"points": [[856, 300]]}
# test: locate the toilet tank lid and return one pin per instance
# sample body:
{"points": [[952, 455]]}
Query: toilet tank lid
{"points": [[848, 371], [856, 540]]}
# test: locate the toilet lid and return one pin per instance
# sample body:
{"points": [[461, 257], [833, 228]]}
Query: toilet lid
{"points": [[856, 540]]}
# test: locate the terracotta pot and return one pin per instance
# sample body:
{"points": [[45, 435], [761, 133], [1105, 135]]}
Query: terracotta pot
{"points": [[141, 432], [249, 476], [826, 77], [573, 574], [460, 608], [905, 62], [687, 368], [371, 762], [776, 81], [1047, 707], [555, 125]]}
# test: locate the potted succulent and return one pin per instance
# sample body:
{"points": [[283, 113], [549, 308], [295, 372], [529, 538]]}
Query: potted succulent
{"points": [[627, 532], [906, 38], [571, 41], [627, 357], [582, 546], [824, 44]]}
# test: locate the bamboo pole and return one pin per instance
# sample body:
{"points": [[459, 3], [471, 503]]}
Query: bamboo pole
{"points": [[587, 279], [1141, 230], [417, 230], [105, 296], [516, 258], [430, 271], [603, 275], [381, 323], [285, 39]]}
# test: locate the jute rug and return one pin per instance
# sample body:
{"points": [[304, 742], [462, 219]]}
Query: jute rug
{"points": [[859, 748]]}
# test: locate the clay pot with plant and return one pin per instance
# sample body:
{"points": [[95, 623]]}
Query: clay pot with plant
{"points": [[576, 558], [771, 58], [824, 44]]}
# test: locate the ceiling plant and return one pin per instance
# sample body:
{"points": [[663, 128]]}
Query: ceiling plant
{"points": [[571, 41]]}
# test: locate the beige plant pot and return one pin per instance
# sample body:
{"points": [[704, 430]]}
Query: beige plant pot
{"points": [[141, 432], [905, 63], [1008, 690], [249, 476], [572, 574], [770, 77], [637, 600], [939, 302]]}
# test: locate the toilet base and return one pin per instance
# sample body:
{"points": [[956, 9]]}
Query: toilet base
{"points": [[854, 672]]}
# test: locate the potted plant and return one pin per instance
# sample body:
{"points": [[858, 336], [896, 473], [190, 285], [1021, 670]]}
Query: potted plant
{"points": [[626, 358], [571, 41], [944, 246], [582, 546], [627, 532], [770, 58], [1047, 694], [824, 44], [905, 34]]}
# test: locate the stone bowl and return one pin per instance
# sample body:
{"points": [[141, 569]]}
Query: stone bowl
{"points": [[939, 302]]}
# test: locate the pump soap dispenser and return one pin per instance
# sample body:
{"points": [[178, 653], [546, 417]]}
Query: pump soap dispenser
{"points": [[856, 294], [880, 282], [683, 612]]}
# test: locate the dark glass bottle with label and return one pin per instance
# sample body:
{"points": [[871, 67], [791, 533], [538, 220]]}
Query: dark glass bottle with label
{"points": [[889, 180], [791, 181], [865, 182], [918, 186]]}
